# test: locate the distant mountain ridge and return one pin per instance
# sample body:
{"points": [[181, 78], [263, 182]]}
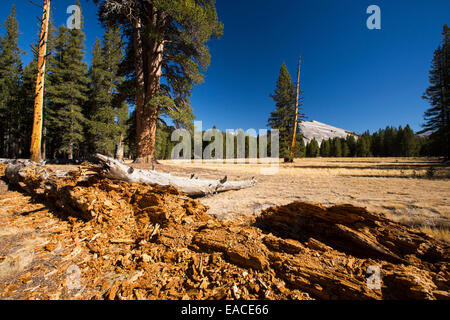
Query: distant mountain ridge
{"points": [[322, 131]]}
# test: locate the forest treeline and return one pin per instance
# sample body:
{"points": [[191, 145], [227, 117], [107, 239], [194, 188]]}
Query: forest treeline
{"points": [[388, 142]]}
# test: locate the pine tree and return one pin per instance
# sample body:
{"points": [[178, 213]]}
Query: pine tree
{"points": [[377, 143], [345, 147], [437, 117], [300, 148], [104, 129], [29, 83], [312, 149], [363, 145], [351, 142], [68, 93], [389, 142], [27, 100], [12, 110], [101, 125], [282, 118], [398, 142], [424, 147], [27, 92], [166, 56], [336, 148], [325, 149], [409, 143]]}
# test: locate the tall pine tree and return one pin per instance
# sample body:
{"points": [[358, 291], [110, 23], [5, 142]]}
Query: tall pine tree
{"points": [[437, 117], [336, 148], [409, 143], [106, 113], [282, 118], [68, 93], [166, 57]]}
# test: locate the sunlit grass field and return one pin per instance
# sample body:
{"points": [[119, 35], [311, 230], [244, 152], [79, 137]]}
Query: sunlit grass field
{"points": [[413, 191]]}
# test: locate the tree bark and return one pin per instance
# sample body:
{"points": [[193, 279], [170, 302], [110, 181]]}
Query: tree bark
{"points": [[151, 54], [140, 83], [36, 138]]}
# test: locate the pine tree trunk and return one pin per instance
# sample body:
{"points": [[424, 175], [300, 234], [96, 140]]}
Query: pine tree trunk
{"points": [[140, 83], [70, 156], [147, 118], [44, 143]]}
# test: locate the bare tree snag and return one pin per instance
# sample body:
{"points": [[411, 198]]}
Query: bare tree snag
{"points": [[140, 83], [294, 137], [192, 187], [36, 138]]}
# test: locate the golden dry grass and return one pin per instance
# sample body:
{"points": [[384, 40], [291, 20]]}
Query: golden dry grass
{"points": [[399, 188], [439, 233]]}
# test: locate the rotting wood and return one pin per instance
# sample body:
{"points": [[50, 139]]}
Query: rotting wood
{"points": [[317, 252], [36, 138]]}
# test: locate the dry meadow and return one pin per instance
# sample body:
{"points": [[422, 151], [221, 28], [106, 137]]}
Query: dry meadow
{"points": [[412, 191]]}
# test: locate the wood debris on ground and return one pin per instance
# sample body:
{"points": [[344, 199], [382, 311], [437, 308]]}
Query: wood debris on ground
{"points": [[83, 236]]}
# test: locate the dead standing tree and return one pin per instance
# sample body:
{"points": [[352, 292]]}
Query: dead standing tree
{"points": [[36, 138], [294, 136]]}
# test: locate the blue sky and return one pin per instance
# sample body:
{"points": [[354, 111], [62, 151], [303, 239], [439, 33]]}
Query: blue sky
{"points": [[353, 78]]}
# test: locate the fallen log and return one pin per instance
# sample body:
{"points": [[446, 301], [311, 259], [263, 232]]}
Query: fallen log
{"points": [[86, 193], [115, 170]]}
